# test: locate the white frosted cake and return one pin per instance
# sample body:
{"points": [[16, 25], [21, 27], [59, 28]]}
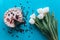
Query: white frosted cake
{"points": [[11, 15]]}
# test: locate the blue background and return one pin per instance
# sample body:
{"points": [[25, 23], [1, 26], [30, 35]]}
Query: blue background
{"points": [[54, 5]]}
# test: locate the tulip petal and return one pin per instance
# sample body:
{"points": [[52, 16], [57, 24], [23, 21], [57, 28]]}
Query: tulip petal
{"points": [[31, 21]]}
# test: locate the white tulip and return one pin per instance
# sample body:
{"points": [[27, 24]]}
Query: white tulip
{"points": [[46, 9], [40, 10], [40, 16], [31, 21], [43, 10], [33, 16]]}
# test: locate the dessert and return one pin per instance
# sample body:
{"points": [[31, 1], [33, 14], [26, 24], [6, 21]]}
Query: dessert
{"points": [[11, 15]]}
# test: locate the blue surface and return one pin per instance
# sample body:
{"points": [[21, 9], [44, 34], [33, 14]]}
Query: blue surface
{"points": [[33, 4]]}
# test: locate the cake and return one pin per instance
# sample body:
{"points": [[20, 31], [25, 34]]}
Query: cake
{"points": [[11, 15]]}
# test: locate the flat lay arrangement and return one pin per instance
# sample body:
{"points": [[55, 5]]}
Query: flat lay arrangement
{"points": [[46, 23], [29, 20]]}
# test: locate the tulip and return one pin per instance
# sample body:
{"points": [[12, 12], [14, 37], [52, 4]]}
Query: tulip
{"points": [[31, 21], [46, 9], [43, 10], [40, 10], [40, 16]]}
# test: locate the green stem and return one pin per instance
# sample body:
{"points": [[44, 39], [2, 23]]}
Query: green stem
{"points": [[50, 27], [54, 26], [43, 31]]}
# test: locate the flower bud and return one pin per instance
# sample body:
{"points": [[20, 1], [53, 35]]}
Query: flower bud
{"points": [[31, 21]]}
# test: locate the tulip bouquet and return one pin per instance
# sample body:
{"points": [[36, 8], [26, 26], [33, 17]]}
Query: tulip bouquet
{"points": [[46, 23]]}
